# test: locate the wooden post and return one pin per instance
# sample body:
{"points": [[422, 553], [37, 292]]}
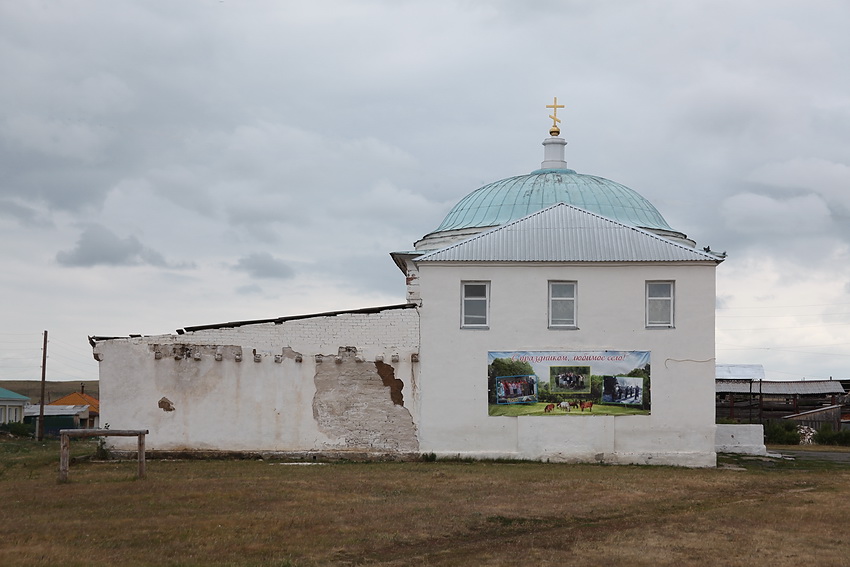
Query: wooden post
{"points": [[142, 455], [40, 428], [64, 456]]}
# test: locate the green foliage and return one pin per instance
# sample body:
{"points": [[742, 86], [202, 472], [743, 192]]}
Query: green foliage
{"points": [[428, 457], [18, 429], [508, 367], [505, 367], [781, 433], [596, 387], [101, 452], [827, 436], [639, 372]]}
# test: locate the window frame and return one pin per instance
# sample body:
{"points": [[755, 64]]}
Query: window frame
{"points": [[669, 300], [553, 300], [463, 304]]}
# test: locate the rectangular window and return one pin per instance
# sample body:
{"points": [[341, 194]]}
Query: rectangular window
{"points": [[562, 305], [476, 305], [659, 304]]}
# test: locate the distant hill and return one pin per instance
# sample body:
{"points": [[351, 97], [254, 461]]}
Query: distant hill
{"points": [[52, 390]]}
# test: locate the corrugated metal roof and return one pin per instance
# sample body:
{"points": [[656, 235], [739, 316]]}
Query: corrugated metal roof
{"points": [[82, 410], [788, 388], [564, 233], [739, 371]]}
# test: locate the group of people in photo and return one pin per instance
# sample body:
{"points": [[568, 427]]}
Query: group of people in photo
{"points": [[569, 381], [516, 387], [621, 390]]}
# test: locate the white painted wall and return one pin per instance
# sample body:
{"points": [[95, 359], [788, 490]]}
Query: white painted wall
{"points": [[747, 438], [610, 315], [227, 405]]}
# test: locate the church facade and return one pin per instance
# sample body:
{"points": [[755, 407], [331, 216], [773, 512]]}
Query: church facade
{"points": [[552, 316]]}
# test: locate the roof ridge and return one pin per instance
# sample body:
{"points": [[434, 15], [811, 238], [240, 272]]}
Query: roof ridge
{"points": [[614, 222]]}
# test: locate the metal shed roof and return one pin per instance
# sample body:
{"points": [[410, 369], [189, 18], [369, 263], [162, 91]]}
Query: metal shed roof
{"points": [[787, 388], [564, 233], [739, 371], [82, 411]]}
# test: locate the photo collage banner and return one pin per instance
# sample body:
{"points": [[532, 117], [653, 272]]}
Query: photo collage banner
{"points": [[563, 382]]}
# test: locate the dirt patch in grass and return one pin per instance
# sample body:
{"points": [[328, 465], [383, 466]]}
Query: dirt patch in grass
{"points": [[251, 512]]}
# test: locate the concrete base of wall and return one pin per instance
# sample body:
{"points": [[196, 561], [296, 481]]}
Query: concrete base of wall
{"points": [[678, 459], [289, 456], [744, 438]]}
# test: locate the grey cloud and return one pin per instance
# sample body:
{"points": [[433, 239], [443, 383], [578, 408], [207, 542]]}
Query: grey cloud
{"points": [[98, 246], [364, 273], [252, 289], [265, 266], [26, 215]]}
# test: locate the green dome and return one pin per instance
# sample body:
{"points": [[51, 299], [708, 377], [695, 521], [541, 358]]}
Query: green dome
{"points": [[515, 197]]}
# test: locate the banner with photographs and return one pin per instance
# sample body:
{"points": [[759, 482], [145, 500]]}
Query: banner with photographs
{"points": [[568, 383]]}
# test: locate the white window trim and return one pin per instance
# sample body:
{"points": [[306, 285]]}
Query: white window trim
{"points": [[574, 299], [463, 300], [672, 300]]}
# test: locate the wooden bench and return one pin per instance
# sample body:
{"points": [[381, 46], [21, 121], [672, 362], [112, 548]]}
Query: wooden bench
{"points": [[65, 445]]}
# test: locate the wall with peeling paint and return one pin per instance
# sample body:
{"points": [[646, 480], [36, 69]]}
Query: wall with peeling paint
{"points": [[610, 306], [344, 382]]}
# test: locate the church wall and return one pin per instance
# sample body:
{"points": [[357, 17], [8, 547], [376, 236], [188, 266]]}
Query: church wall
{"points": [[610, 316], [345, 382]]}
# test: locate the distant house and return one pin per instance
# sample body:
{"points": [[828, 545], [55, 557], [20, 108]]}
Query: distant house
{"points": [[82, 399], [58, 417], [12, 406]]}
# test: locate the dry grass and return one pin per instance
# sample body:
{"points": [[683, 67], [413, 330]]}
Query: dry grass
{"points": [[445, 513]]}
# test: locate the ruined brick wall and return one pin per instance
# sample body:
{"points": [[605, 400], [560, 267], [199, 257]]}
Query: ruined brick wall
{"points": [[345, 382]]}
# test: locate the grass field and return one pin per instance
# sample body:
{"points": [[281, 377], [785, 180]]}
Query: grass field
{"points": [[750, 511], [539, 409]]}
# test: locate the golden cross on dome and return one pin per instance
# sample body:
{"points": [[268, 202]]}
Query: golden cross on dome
{"points": [[554, 130]]}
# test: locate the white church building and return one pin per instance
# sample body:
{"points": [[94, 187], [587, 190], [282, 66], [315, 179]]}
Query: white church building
{"points": [[551, 316]]}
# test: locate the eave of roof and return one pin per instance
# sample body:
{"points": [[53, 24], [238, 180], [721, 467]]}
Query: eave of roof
{"points": [[739, 371], [9, 395], [277, 320], [565, 233]]}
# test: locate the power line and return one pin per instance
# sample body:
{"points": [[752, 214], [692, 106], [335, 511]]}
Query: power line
{"points": [[784, 315], [784, 306], [789, 350], [788, 327]]}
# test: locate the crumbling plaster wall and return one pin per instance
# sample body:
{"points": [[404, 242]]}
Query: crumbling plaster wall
{"points": [[344, 382]]}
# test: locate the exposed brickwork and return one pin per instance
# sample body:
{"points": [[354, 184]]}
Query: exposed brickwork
{"points": [[353, 405]]}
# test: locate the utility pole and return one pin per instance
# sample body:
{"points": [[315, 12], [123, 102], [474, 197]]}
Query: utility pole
{"points": [[40, 436]]}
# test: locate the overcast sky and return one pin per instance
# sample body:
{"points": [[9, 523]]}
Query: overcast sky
{"points": [[167, 164]]}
